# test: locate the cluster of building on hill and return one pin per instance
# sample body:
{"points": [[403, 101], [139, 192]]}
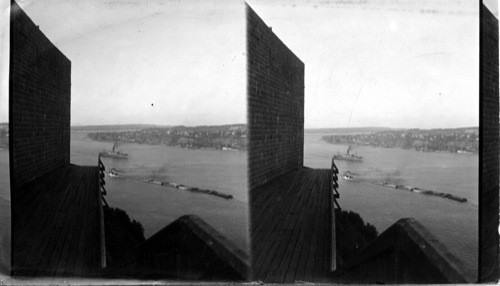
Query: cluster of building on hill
{"points": [[227, 137], [462, 140]]}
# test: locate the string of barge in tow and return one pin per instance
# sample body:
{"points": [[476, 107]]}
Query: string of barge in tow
{"points": [[187, 188], [421, 191]]}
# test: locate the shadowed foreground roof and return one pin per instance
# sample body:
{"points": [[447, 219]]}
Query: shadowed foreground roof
{"points": [[188, 249], [56, 224], [291, 228]]}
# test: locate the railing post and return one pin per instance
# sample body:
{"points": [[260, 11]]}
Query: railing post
{"points": [[335, 184], [102, 192], [334, 195], [102, 168]]}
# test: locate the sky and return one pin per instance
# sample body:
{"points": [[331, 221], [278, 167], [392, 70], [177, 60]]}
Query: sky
{"points": [[403, 64], [149, 61], [391, 63], [492, 5]]}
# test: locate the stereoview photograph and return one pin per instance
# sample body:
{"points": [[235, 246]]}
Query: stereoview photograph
{"points": [[277, 142]]}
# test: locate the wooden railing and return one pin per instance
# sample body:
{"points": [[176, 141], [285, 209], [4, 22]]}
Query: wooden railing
{"points": [[101, 180], [334, 195], [335, 184]]}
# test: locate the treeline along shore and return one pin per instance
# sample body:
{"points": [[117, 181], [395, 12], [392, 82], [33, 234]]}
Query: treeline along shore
{"points": [[225, 137], [459, 140]]}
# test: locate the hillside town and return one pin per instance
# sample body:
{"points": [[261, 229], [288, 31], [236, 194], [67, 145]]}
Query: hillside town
{"points": [[234, 137], [227, 137], [461, 140]]}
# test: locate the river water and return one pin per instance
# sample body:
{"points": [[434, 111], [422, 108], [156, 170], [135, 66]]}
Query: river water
{"points": [[156, 206], [454, 224]]}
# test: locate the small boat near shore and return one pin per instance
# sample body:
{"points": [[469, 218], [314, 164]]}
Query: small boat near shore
{"points": [[229, 149]]}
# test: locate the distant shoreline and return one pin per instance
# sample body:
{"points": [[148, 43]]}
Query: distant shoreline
{"points": [[400, 148], [307, 130], [225, 149], [122, 127], [226, 138], [461, 140]]}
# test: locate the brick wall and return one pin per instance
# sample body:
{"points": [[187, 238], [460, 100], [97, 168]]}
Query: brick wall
{"points": [[488, 155], [275, 104], [40, 101]]}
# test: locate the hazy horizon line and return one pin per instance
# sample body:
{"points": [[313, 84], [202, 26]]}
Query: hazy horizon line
{"points": [[228, 124], [305, 128]]}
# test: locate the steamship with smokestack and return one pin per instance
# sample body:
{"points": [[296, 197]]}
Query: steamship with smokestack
{"points": [[349, 156], [114, 154]]}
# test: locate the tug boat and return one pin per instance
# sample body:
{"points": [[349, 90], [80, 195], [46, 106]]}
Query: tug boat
{"points": [[348, 176], [113, 173]]}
